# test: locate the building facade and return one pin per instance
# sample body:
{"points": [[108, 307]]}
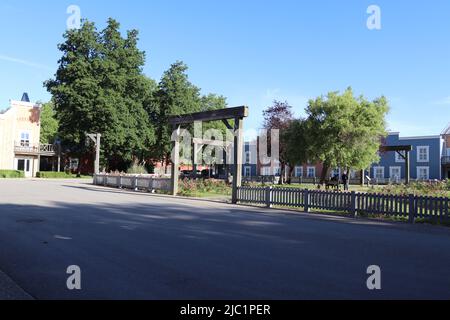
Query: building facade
{"points": [[445, 159], [20, 147], [425, 160]]}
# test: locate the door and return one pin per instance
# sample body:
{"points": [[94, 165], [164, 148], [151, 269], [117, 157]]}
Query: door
{"points": [[25, 166]]}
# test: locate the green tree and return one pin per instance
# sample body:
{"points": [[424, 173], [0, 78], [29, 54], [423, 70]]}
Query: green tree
{"points": [[49, 124], [342, 130], [176, 95], [100, 88]]}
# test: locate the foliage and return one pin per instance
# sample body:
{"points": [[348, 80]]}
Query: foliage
{"points": [[342, 130], [189, 187], [100, 88], [137, 169], [57, 175], [11, 174], [430, 189], [279, 117], [49, 124]]}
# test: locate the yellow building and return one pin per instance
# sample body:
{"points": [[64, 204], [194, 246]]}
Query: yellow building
{"points": [[19, 138]]}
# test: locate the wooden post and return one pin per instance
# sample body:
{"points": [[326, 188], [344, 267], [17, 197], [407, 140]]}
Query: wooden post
{"points": [[306, 193], [97, 153], [412, 209], [408, 168], [238, 146], [363, 178], [353, 209], [176, 161], [269, 197]]}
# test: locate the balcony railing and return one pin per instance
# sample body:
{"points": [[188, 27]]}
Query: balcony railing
{"points": [[445, 160], [41, 149]]}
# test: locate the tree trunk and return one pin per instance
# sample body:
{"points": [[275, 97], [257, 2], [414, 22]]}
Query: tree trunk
{"points": [[290, 174], [325, 170]]}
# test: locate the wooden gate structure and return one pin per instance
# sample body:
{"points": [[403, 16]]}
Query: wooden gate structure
{"points": [[403, 152], [237, 114]]}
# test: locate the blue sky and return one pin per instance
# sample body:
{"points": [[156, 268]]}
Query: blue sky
{"points": [[256, 51]]}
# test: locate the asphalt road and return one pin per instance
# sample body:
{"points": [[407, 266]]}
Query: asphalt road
{"points": [[137, 246]]}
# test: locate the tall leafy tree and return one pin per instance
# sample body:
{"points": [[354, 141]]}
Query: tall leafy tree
{"points": [[278, 117], [175, 95], [342, 130], [49, 124], [100, 88]]}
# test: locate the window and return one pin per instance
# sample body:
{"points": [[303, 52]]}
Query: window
{"points": [[311, 172], [423, 154], [336, 173], [248, 171], [395, 174], [399, 158], [277, 171], [298, 172], [248, 157], [25, 139], [423, 173], [378, 173], [448, 152], [265, 171]]}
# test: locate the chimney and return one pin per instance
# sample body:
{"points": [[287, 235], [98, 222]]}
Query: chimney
{"points": [[25, 97]]}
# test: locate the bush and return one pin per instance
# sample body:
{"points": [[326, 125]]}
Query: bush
{"points": [[189, 187], [431, 189], [137, 169], [55, 175], [11, 174]]}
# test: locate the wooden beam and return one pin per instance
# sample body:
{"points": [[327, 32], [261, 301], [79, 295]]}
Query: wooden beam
{"points": [[396, 148], [215, 143], [238, 154], [227, 124], [215, 115], [176, 162]]}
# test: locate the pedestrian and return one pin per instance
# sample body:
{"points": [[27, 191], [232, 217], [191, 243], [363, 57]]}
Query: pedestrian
{"points": [[345, 181]]}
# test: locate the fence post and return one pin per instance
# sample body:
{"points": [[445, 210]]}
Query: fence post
{"points": [[134, 183], [353, 209], [306, 194], [412, 208], [269, 197]]}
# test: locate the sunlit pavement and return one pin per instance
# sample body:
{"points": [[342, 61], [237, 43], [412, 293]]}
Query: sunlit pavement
{"points": [[140, 246]]}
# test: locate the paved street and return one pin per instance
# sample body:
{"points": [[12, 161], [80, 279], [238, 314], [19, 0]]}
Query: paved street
{"points": [[141, 246]]}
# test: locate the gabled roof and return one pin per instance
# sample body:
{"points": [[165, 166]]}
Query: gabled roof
{"points": [[446, 130]]}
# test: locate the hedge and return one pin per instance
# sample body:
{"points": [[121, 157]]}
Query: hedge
{"points": [[55, 175], [11, 174]]}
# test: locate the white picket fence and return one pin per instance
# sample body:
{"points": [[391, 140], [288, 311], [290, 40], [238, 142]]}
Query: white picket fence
{"points": [[411, 206], [143, 183]]}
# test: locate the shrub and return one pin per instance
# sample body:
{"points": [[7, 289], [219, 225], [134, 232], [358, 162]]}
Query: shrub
{"points": [[11, 174], [55, 175], [190, 187], [137, 169]]}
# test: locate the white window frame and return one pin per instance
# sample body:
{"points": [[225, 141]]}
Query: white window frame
{"points": [[391, 175], [419, 148], [277, 171], [313, 169], [248, 157], [375, 171], [427, 176], [265, 171], [398, 158], [247, 171], [27, 133], [298, 172]]}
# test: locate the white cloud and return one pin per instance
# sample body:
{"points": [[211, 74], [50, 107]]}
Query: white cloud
{"points": [[24, 62]]}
